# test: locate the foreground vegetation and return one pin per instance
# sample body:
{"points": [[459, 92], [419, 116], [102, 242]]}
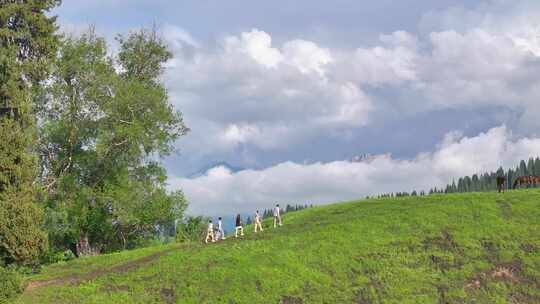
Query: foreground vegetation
{"points": [[81, 135], [454, 248]]}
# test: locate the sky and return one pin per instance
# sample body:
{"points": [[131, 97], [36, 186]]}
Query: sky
{"points": [[291, 91]]}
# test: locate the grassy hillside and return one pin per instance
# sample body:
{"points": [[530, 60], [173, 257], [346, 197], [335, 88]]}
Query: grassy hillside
{"points": [[460, 248]]}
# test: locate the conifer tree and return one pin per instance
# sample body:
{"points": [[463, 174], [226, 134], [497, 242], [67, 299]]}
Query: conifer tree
{"points": [[522, 168], [530, 166], [28, 45]]}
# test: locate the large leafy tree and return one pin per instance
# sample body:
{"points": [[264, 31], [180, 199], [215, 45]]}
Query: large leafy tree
{"points": [[27, 45], [106, 122]]}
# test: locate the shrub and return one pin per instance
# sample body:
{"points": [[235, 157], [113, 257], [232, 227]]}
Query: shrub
{"points": [[192, 229], [10, 284], [53, 256]]}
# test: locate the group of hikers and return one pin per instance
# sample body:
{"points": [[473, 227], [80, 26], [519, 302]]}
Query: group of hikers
{"points": [[214, 234]]}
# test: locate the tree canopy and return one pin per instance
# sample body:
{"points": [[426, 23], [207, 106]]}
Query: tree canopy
{"points": [[106, 121]]}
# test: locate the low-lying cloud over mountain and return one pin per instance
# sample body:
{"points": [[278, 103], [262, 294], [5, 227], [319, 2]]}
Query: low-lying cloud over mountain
{"points": [[220, 164], [221, 191]]}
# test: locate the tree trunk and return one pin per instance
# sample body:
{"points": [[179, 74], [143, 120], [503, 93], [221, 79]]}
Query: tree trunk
{"points": [[84, 248], [124, 242]]}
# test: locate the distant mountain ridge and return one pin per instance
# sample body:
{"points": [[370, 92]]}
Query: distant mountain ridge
{"points": [[361, 158], [204, 170]]}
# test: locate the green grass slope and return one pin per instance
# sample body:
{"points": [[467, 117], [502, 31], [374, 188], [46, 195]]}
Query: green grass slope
{"points": [[459, 248]]}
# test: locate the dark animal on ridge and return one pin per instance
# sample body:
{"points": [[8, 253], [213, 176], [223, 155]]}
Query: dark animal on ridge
{"points": [[529, 180], [500, 183]]}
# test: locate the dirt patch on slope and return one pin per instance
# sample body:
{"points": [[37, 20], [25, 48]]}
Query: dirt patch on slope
{"points": [[168, 295], [528, 248], [511, 272], [81, 278], [291, 300], [115, 288], [445, 242]]}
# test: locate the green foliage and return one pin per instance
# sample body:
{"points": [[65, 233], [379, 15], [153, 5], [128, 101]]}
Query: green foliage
{"points": [[103, 129], [53, 256], [28, 39], [142, 54], [10, 284], [28, 45], [21, 237], [138, 205], [192, 229], [422, 249]]}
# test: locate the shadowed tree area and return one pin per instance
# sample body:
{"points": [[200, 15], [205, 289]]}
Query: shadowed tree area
{"points": [[28, 46]]}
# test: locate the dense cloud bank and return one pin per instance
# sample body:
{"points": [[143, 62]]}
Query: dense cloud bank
{"points": [[252, 92], [222, 192]]}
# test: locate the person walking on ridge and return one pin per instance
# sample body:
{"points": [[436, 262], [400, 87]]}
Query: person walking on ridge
{"points": [[258, 221], [277, 216], [220, 229], [210, 232], [239, 227]]}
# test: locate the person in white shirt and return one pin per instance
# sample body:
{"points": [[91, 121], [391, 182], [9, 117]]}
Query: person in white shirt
{"points": [[210, 232], [277, 216], [220, 229], [258, 221]]}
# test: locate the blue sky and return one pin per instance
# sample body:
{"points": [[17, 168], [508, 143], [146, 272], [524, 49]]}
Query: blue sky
{"points": [[292, 90]]}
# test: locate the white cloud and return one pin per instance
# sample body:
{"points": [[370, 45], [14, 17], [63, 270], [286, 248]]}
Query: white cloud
{"points": [[249, 91], [486, 56], [391, 63], [258, 45], [178, 37], [254, 93], [306, 56], [476, 68], [262, 136], [224, 192]]}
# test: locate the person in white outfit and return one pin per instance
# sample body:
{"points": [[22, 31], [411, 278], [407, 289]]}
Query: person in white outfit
{"points": [[258, 221], [277, 216], [210, 232], [220, 229]]}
